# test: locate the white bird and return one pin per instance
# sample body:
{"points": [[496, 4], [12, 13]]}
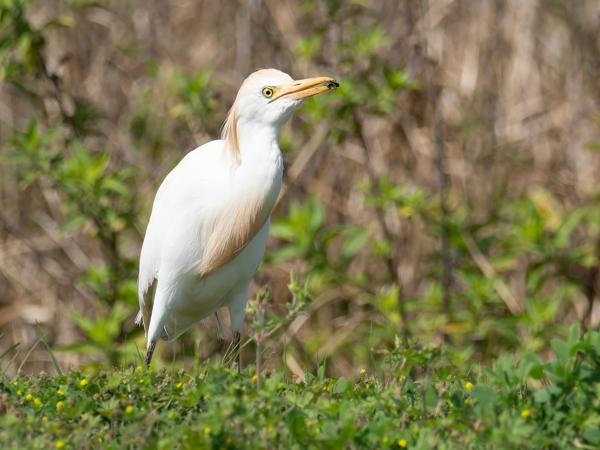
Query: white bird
{"points": [[209, 223]]}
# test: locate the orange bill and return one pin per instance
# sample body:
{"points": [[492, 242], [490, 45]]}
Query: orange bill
{"points": [[299, 89]]}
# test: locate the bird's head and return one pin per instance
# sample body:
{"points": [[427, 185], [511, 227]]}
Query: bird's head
{"points": [[267, 99]]}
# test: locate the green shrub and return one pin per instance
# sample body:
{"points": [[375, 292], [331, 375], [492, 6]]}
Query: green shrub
{"points": [[420, 401]]}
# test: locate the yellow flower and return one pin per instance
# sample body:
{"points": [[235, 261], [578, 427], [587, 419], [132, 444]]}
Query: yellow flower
{"points": [[59, 405], [309, 423], [129, 409], [363, 371], [179, 385], [207, 431], [468, 386], [402, 443], [19, 393], [37, 402], [83, 383], [525, 413], [254, 378], [29, 397], [138, 369], [385, 439], [61, 393], [280, 386], [59, 444]]}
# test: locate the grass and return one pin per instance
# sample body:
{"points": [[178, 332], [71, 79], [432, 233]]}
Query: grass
{"points": [[420, 400]]}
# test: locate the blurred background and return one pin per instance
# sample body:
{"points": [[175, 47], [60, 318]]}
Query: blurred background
{"points": [[447, 193]]}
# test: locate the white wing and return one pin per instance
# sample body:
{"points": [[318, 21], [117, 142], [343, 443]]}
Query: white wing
{"points": [[188, 191]]}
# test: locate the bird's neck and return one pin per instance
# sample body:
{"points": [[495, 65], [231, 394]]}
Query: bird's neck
{"points": [[259, 145], [258, 172]]}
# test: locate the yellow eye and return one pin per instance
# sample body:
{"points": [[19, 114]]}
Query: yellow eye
{"points": [[267, 92]]}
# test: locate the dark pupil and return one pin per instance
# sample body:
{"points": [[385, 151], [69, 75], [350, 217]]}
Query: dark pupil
{"points": [[268, 92]]}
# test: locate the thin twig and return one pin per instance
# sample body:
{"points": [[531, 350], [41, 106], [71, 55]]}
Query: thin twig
{"points": [[486, 268], [27, 355], [49, 350], [258, 361]]}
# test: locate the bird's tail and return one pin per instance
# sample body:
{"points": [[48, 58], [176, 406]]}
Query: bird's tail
{"points": [[139, 319]]}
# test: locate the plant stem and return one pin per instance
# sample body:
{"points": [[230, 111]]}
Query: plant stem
{"points": [[258, 368]]}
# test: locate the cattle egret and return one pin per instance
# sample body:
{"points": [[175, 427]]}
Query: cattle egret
{"points": [[209, 223]]}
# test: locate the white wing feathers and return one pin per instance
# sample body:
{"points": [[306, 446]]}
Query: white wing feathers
{"points": [[178, 193]]}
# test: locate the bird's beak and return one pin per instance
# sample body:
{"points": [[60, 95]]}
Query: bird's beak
{"points": [[299, 89]]}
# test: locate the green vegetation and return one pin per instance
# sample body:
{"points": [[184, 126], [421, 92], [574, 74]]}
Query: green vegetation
{"points": [[418, 400]]}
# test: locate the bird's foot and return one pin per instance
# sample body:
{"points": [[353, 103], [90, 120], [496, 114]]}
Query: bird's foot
{"points": [[237, 349], [149, 353]]}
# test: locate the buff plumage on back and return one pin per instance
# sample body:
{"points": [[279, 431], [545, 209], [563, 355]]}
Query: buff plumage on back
{"points": [[230, 133], [231, 231]]}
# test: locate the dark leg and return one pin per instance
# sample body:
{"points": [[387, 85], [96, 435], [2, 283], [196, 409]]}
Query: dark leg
{"points": [[237, 350], [149, 353]]}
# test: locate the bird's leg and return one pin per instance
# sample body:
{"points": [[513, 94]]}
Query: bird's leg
{"points": [[237, 349], [220, 328], [149, 353]]}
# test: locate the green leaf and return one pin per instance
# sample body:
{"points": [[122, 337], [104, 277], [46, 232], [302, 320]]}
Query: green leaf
{"points": [[321, 372], [484, 394], [73, 222], [561, 349], [296, 424], [564, 232], [592, 436], [431, 398], [317, 213], [542, 396], [115, 185], [537, 372], [283, 230], [574, 334], [356, 240], [342, 385]]}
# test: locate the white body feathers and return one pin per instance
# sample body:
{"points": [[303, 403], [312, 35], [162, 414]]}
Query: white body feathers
{"points": [[203, 185]]}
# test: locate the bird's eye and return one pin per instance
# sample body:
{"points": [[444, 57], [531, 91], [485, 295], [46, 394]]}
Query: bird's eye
{"points": [[267, 92]]}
